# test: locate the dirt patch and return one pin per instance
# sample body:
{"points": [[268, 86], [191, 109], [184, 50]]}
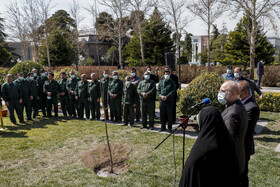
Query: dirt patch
{"points": [[98, 159]]}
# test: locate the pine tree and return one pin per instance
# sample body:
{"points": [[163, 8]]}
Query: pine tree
{"points": [[5, 54]]}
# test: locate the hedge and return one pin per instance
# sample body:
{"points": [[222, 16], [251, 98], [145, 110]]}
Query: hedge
{"points": [[270, 102]]}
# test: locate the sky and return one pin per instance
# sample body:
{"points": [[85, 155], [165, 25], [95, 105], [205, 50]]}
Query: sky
{"points": [[196, 27]]}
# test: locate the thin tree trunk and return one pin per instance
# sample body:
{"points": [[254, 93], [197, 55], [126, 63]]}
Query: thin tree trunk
{"points": [[141, 46], [253, 42], [208, 40]]}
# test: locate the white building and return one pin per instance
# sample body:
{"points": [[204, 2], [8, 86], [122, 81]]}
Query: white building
{"points": [[275, 42]]}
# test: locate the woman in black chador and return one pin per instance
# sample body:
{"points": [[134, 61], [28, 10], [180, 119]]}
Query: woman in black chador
{"points": [[212, 161]]}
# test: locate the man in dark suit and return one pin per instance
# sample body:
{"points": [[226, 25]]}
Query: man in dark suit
{"points": [[253, 112], [235, 118], [238, 77], [260, 72]]}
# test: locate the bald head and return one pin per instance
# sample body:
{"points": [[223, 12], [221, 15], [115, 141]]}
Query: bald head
{"points": [[244, 87], [84, 77], [231, 91], [9, 78]]}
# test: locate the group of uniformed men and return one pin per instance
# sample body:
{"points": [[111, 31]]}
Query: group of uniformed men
{"points": [[40, 90]]}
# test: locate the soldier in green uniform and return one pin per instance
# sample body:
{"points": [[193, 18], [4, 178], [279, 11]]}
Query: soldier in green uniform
{"points": [[82, 96], [104, 90], [35, 74], [146, 90], [34, 92], [71, 86], [115, 94], [166, 93], [129, 101], [94, 93], [27, 97], [64, 97], [42, 96], [12, 96], [50, 89]]}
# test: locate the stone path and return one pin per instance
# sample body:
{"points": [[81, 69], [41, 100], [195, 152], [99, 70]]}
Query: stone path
{"points": [[277, 149]]}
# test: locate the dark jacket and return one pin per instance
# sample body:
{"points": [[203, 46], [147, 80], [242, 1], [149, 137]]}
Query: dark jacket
{"points": [[51, 86], [236, 121], [116, 87], [94, 89], [253, 112], [167, 89], [62, 86], [82, 89], [148, 87], [104, 83], [41, 81], [129, 94], [71, 85], [34, 88], [11, 92], [260, 68]]}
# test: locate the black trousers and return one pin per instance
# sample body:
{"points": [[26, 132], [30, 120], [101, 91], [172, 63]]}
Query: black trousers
{"points": [[138, 111], [26, 104], [115, 108], [259, 80], [244, 175], [52, 102], [83, 104], [43, 103], [147, 108], [129, 113], [14, 105], [73, 108], [166, 113], [64, 101], [95, 108], [34, 106]]}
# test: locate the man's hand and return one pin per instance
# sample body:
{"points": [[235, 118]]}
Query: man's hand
{"points": [[144, 95], [134, 105], [76, 97], [163, 98], [261, 96], [98, 100], [7, 104], [72, 92], [31, 98], [38, 97], [88, 98], [49, 93], [62, 94], [20, 101]]}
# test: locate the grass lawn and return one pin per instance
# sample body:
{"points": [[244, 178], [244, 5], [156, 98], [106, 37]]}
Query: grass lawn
{"points": [[48, 152]]}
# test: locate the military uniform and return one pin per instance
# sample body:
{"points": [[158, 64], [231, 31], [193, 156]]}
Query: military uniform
{"points": [[42, 96], [135, 80], [94, 94], [168, 89], [82, 92], [51, 86], [11, 93], [116, 87], [147, 104], [129, 99], [24, 86], [64, 99], [35, 94], [105, 98], [71, 86]]}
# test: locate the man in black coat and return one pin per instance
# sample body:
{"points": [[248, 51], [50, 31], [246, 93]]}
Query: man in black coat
{"points": [[238, 77], [253, 112], [260, 72], [235, 118]]}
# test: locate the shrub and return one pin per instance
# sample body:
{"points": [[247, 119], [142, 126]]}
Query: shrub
{"points": [[123, 74], [271, 76], [66, 70], [3, 74], [270, 102], [204, 86], [25, 67]]}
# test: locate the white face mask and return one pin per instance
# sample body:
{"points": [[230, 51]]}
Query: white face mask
{"points": [[133, 74], [222, 98], [236, 75]]}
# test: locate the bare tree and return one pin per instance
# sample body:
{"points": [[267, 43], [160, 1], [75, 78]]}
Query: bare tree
{"points": [[256, 10], [17, 27], [45, 8], [140, 8], [118, 30], [75, 13], [175, 11], [208, 11]]}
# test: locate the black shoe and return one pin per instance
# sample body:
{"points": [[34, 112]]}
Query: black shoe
{"points": [[170, 130], [152, 128], [125, 124], [161, 130], [137, 120], [143, 127], [131, 125]]}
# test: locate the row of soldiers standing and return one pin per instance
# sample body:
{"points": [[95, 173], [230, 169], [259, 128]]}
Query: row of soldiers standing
{"points": [[79, 96]]}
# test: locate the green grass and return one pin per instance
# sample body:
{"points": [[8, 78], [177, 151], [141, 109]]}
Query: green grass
{"points": [[48, 152]]}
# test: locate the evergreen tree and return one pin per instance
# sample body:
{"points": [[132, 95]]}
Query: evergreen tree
{"points": [[5, 54], [187, 49], [237, 50]]}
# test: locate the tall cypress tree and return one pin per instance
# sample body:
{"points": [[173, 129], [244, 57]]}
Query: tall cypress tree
{"points": [[5, 54]]}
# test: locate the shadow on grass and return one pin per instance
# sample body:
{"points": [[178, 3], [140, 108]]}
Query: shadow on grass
{"points": [[4, 134], [267, 131], [268, 139]]}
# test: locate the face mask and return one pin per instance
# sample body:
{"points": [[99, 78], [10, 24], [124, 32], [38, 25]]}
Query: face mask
{"points": [[147, 77], [127, 83], [105, 75], [229, 71], [133, 74], [115, 77], [236, 75], [43, 74], [31, 78], [49, 97], [72, 76], [221, 98], [35, 74], [150, 72], [20, 78], [167, 77], [46, 73]]}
